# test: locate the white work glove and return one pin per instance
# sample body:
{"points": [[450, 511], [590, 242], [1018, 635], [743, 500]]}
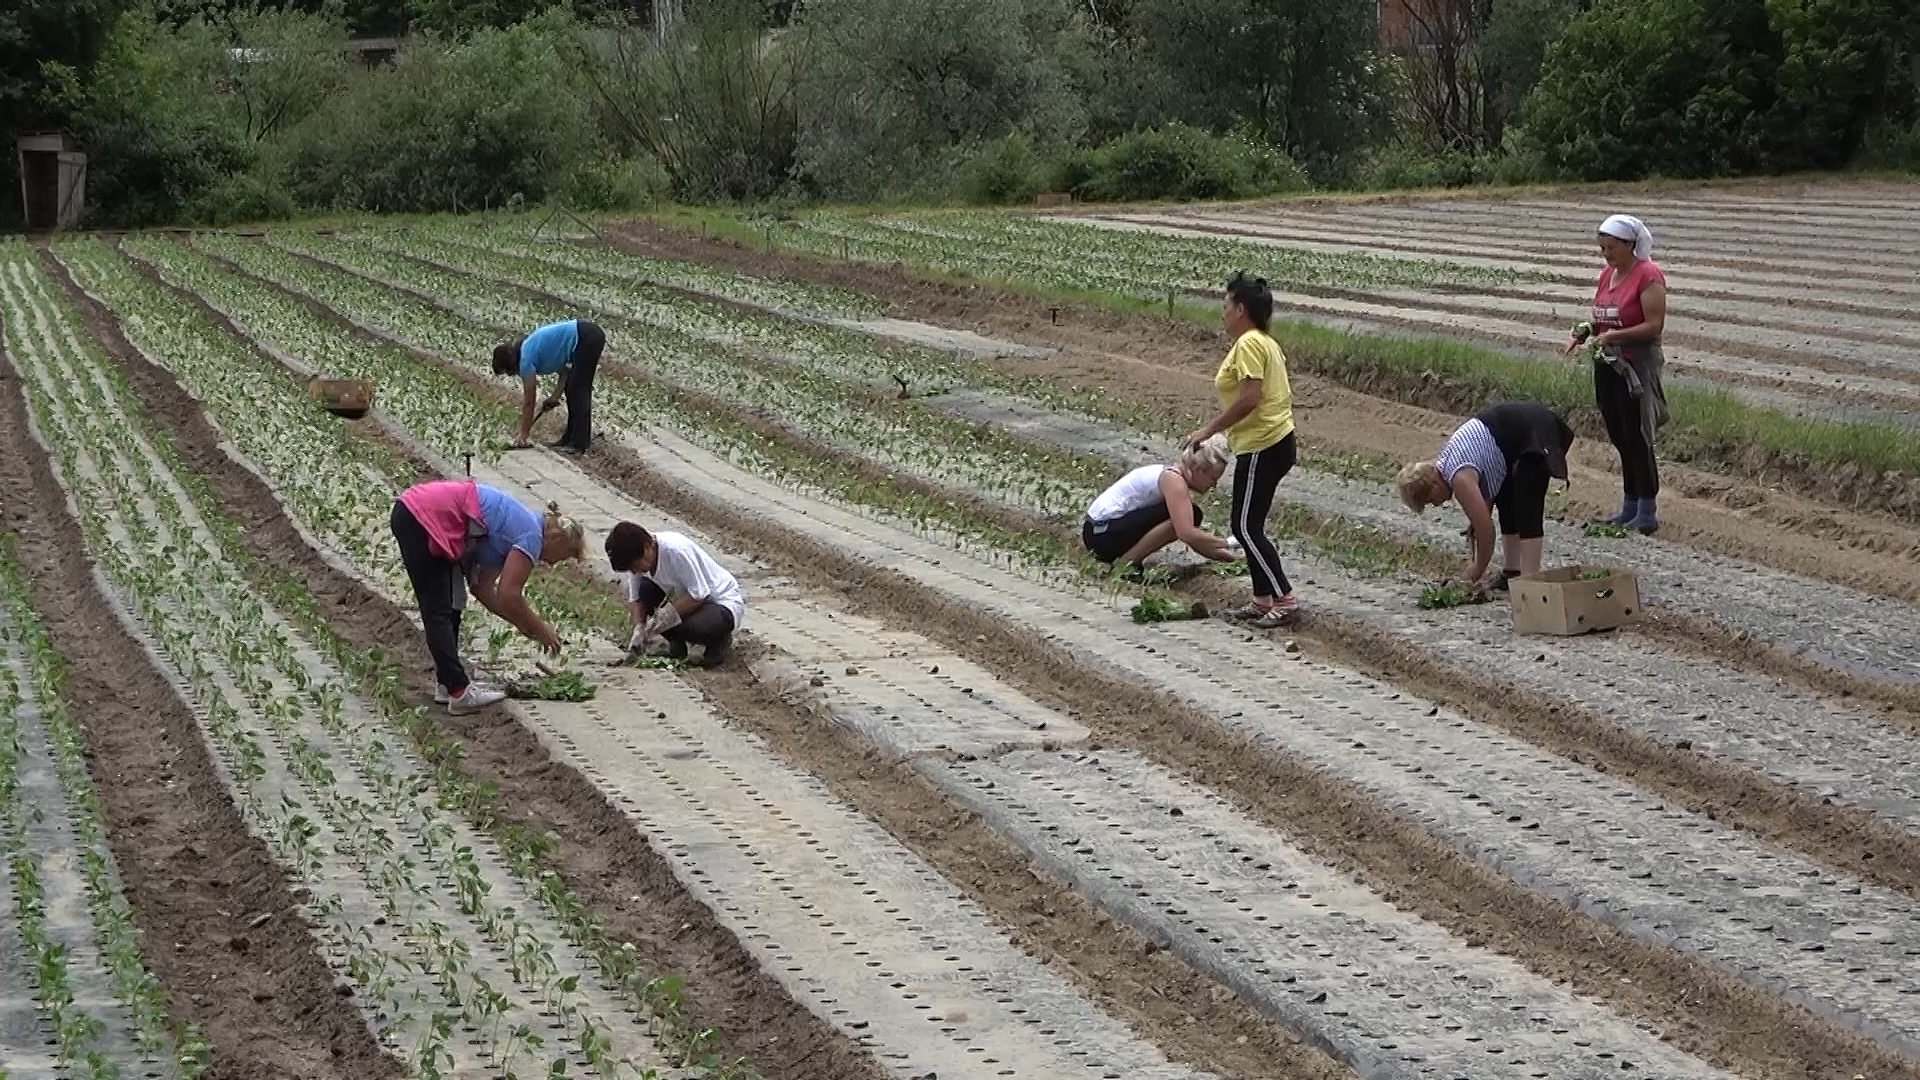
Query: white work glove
{"points": [[639, 639], [665, 618]]}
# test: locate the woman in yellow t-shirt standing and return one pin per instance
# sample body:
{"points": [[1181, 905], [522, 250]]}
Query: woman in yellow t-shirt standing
{"points": [[1257, 414]]}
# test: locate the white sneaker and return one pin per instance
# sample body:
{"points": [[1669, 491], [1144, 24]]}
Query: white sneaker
{"points": [[475, 698], [440, 694]]}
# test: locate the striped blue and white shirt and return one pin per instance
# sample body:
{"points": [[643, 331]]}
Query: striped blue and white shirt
{"points": [[1472, 444]]}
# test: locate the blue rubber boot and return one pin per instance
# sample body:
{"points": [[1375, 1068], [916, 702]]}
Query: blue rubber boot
{"points": [[1629, 509], [1644, 522]]}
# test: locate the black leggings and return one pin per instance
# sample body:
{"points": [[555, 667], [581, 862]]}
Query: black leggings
{"points": [[709, 626], [1110, 539], [591, 341], [1639, 474], [1522, 501], [1254, 478], [436, 588]]}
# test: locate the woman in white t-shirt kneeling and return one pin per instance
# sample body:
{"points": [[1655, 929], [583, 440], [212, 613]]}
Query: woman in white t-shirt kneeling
{"points": [[676, 591], [1152, 506]]}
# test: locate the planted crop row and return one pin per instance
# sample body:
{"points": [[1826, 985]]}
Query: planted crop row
{"points": [[1061, 254], [831, 350], [906, 434], [516, 235], [340, 486], [35, 727], [429, 924], [1074, 479]]}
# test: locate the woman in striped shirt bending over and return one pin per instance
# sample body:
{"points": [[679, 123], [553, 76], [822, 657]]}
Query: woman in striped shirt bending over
{"points": [[1501, 459]]}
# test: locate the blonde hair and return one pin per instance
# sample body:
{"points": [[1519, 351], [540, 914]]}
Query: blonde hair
{"points": [[1414, 482], [573, 537], [1211, 456]]}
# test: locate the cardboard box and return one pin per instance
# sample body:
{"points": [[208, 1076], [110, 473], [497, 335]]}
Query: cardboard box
{"points": [[1574, 600], [350, 398]]}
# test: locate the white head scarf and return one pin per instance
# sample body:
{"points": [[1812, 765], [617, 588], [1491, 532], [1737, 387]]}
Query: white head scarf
{"points": [[1633, 230]]}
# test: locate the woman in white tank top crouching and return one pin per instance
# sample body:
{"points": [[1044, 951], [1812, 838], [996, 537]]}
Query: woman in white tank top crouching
{"points": [[1152, 506]]}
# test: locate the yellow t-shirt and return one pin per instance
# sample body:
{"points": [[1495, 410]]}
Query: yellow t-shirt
{"points": [[1257, 356]]}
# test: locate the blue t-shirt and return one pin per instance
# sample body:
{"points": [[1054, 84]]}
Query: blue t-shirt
{"points": [[547, 349], [509, 525]]}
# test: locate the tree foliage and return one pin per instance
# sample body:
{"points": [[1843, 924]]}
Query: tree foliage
{"points": [[715, 102], [1694, 88], [1300, 74], [897, 84]]}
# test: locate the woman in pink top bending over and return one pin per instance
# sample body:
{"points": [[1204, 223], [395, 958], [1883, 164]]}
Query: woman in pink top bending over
{"points": [[454, 534], [1629, 315]]}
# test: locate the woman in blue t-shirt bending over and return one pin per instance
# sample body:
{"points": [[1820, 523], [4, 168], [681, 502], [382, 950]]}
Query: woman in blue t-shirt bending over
{"points": [[571, 348]]}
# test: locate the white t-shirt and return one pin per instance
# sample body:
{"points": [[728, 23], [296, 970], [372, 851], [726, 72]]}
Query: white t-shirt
{"points": [[683, 569], [1138, 488]]}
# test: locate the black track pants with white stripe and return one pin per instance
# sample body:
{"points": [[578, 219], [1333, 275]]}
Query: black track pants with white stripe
{"points": [[1254, 478]]}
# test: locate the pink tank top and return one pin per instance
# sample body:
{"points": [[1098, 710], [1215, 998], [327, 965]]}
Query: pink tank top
{"points": [[444, 508], [1616, 306]]}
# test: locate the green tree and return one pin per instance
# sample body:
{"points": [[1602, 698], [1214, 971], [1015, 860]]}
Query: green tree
{"points": [[1843, 65], [716, 102], [503, 115], [34, 33], [1300, 74], [897, 85], [1637, 88], [1516, 42], [152, 119]]}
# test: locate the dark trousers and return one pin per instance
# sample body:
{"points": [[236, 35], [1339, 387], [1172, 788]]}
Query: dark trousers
{"points": [[436, 588], [710, 626], [1522, 501], [1108, 540], [1254, 478], [585, 363], [1620, 410]]}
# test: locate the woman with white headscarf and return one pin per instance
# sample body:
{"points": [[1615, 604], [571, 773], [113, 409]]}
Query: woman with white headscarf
{"points": [[1629, 315]]}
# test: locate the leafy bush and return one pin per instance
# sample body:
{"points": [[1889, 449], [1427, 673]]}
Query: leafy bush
{"points": [[239, 198], [1180, 162], [504, 114], [1892, 146], [716, 103], [156, 136], [896, 87], [1006, 171], [1399, 168], [1304, 75], [1697, 88]]}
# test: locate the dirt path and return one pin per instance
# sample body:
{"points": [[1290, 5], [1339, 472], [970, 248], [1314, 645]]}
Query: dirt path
{"points": [[1167, 368]]}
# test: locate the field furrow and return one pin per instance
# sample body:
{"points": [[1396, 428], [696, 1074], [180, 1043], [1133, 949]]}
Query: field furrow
{"points": [[912, 699], [1052, 1032], [1849, 630], [1550, 824], [797, 626], [456, 929]]}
